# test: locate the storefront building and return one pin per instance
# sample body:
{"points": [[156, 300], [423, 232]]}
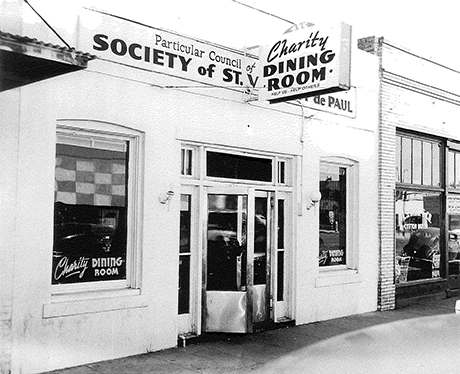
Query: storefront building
{"points": [[419, 165], [151, 198]]}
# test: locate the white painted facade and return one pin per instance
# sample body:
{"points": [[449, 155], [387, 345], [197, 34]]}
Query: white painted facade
{"points": [[45, 328]]}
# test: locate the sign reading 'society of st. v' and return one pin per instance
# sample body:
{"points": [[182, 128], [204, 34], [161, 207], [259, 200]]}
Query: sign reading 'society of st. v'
{"points": [[307, 62], [166, 53]]}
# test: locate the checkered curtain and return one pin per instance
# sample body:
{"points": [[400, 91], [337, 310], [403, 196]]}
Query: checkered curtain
{"points": [[100, 182]]}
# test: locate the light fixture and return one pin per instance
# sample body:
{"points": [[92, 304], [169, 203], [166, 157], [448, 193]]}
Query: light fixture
{"points": [[315, 197], [165, 197]]}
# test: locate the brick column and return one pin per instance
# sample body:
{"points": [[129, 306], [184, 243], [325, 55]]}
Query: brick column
{"points": [[386, 164]]}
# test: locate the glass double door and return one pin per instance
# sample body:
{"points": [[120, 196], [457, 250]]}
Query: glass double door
{"points": [[238, 258]]}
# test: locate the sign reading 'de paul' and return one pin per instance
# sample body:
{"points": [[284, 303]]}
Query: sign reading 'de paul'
{"points": [[342, 103], [311, 61]]}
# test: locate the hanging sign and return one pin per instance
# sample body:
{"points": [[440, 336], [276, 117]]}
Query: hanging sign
{"points": [[307, 62]]}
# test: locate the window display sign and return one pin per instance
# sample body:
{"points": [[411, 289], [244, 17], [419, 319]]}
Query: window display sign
{"points": [[453, 204], [159, 51], [310, 61]]}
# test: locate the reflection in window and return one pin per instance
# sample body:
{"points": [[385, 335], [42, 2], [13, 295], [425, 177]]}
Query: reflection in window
{"points": [[418, 235], [260, 241], [332, 215], [226, 250], [281, 246], [184, 254], [453, 216], [90, 210]]}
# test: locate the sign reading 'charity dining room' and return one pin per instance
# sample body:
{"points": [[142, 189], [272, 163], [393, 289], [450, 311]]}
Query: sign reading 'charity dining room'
{"points": [[310, 61]]}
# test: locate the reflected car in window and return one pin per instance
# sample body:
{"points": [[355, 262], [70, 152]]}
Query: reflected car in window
{"points": [[423, 254], [424, 243]]}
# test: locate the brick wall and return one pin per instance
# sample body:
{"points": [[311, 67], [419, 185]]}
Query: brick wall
{"points": [[386, 284], [387, 133], [415, 94]]}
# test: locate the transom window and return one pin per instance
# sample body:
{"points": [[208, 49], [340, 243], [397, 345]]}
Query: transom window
{"points": [[418, 161], [234, 166]]}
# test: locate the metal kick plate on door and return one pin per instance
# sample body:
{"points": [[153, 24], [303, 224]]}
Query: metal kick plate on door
{"points": [[226, 311]]}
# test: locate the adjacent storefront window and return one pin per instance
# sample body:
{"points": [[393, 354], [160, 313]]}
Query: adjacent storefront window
{"points": [[333, 215], [453, 208], [419, 230], [91, 209], [418, 235]]}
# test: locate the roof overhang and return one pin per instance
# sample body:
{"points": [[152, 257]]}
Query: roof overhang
{"points": [[24, 60]]}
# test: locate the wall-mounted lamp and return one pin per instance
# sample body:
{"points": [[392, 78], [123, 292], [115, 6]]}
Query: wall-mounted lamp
{"points": [[315, 197], [165, 197]]}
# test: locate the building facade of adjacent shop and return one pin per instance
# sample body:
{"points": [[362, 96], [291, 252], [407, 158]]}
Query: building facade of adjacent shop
{"points": [[152, 196], [419, 164]]}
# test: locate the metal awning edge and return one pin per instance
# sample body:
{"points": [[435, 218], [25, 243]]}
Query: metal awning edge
{"points": [[35, 48]]}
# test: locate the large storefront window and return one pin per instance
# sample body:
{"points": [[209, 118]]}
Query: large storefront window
{"points": [[333, 215], [419, 227], [418, 235], [90, 210]]}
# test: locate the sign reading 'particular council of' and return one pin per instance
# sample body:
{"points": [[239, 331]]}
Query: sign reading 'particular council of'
{"points": [[159, 51]]}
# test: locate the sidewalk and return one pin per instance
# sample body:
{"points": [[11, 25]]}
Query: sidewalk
{"points": [[245, 353]]}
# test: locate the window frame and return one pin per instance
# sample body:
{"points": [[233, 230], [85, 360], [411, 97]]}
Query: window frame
{"points": [[439, 170], [135, 140], [399, 160], [352, 204]]}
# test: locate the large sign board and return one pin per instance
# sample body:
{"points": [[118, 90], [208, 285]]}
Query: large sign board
{"points": [[164, 52], [310, 61]]}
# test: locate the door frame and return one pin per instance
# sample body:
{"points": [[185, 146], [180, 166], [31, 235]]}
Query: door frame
{"points": [[276, 311], [227, 190], [190, 323]]}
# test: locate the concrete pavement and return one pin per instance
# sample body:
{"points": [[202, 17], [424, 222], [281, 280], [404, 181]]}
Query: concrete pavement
{"points": [[226, 353]]}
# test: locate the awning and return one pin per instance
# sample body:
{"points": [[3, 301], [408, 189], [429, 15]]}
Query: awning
{"points": [[24, 60]]}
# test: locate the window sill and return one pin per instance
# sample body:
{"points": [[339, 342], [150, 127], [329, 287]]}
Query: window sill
{"points": [[71, 304], [337, 277]]}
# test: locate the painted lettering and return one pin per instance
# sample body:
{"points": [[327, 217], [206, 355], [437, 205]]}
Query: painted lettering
{"points": [[280, 48], [101, 41], [134, 50], [64, 269], [301, 78]]}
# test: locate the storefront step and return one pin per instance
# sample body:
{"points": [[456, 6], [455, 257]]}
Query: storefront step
{"points": [[186, 339]]}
